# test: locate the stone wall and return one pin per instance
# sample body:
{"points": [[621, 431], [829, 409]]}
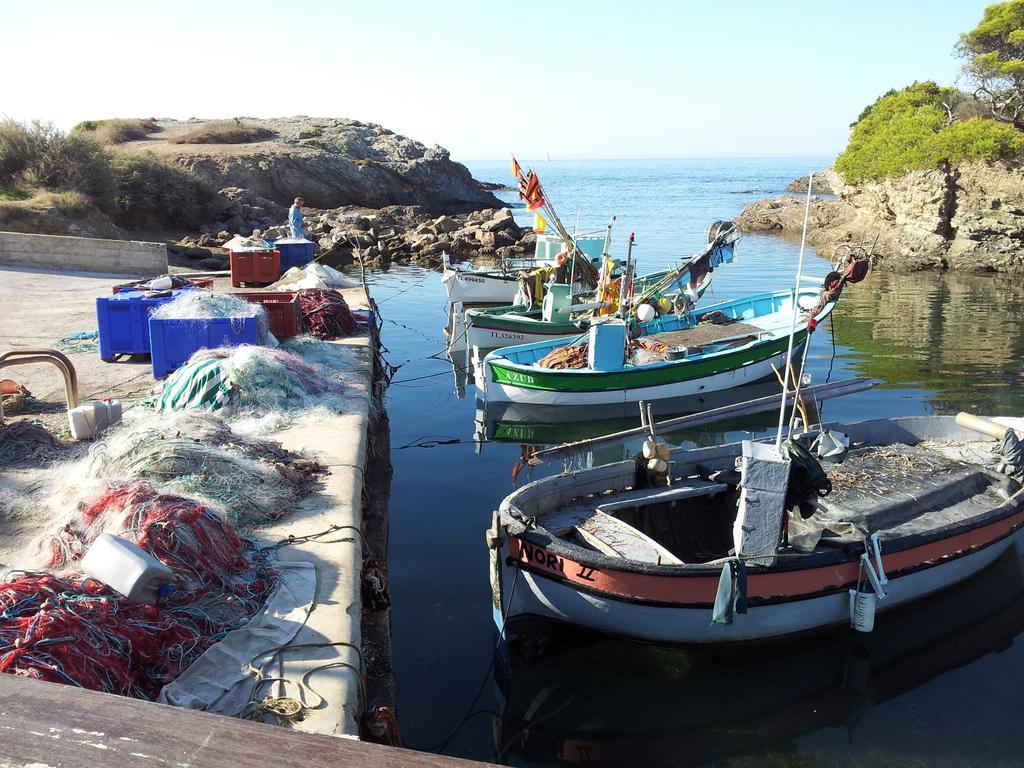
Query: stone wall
{"points": [[83, 254]]}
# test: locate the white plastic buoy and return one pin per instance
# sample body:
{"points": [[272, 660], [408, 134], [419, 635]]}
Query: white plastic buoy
{"points": [[863, 604], [128, 569], [161, 283], [645, 313], [650, 448], [658, 465]]}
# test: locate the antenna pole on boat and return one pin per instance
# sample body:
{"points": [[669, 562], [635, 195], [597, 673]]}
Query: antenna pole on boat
{"points": [[572, 263], [792, 324], [623, 300]]}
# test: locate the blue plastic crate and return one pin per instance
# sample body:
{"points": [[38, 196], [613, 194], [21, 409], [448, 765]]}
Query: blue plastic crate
{"points": [[123, 322], [174, 341], [364, 317], [295, 252]]}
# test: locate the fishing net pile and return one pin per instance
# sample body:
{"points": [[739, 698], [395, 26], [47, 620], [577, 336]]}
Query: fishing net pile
{"points": [[80, 632], [313, 275], [565, 357], [203, 305], [325, 314], [220, 579], [75, 630], [21, 440], [259, 382], [199, 455]]}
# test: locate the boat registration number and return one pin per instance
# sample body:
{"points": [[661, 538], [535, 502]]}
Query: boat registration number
{"points": [[538, 557]]}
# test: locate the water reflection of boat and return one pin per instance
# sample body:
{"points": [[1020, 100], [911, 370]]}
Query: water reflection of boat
{"points": [[577, 699], [914, 508], [550, 425]]}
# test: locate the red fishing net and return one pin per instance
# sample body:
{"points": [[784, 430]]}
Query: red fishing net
{"points": [[325, 314], [80, 632]]}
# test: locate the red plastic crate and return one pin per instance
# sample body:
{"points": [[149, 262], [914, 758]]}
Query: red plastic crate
{"points": [[283, 312], [255, 267]]}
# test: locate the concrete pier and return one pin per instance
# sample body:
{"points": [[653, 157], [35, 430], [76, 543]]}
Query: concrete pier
{"points": [[328, 672]]}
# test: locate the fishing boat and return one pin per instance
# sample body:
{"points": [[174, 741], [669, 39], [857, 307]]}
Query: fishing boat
{"points": [[487, 328], [499, 285], [562, 314], [590, 699], [674, 356], [698, 552]]}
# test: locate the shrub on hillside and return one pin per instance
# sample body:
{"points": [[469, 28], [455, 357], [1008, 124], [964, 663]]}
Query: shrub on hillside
{"points": [[916, 129], [223, 132], [40, 156], [152, 194], [117, 130]]}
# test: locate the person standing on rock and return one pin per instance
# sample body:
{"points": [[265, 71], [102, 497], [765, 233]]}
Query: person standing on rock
{"points": [[295, 223]]}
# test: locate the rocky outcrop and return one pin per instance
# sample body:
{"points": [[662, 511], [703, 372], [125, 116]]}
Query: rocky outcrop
{"points": [[330, 162], [822, 184], [969, 217], [380, 237]]}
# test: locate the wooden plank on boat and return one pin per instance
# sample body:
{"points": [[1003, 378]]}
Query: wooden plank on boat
{"points": [[614, 537], [561, 521], [647, 496]]}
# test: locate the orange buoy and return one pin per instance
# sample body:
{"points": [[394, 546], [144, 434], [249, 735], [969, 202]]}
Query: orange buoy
{"points": [[561, 259]]}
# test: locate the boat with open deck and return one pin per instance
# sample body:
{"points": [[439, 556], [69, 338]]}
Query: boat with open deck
{"points": [[703, 553]]}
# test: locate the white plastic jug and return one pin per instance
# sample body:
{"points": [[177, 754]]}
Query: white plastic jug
{"points": [[87, 421], [128, 569]]}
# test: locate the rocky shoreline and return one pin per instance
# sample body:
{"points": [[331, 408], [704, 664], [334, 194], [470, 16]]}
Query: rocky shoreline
{"points": [[968, 218], [379, 237]]}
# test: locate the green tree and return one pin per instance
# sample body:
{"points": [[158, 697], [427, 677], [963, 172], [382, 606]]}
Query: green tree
{"points": [[917, 128], [994, 53]]}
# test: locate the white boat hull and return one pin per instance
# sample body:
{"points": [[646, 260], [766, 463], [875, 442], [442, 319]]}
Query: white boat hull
{"points": [[535, 595], [495, 392], [479, 288]]}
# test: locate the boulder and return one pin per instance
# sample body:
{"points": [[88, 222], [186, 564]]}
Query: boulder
{"points": [[445, 224], [500, 221]]}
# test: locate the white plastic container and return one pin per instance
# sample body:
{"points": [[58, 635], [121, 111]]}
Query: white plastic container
{"points": [[87, 421], [127, 569], [863, 604]]}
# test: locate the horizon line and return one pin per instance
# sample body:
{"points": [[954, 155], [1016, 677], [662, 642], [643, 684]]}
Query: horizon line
{"points": [[647, 157]]}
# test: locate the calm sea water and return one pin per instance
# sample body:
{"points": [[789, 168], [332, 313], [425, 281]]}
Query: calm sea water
{"points": [[940, 685]]}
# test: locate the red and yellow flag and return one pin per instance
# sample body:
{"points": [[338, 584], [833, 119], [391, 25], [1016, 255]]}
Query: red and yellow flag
{"points": [[531, 192], [539, 224], [517, 172]]}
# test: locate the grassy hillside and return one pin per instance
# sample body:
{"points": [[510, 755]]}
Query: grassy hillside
{"points": [[42, 167]]}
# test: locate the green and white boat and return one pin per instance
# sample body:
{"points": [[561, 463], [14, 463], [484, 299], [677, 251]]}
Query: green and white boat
{"points": [[486, 328], [692, 357]]}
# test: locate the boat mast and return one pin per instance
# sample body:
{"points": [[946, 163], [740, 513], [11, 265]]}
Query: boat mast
{"points": [[792, 324]]}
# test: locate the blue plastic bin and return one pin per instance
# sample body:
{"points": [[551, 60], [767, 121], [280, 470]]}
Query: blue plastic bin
{"points": [[123, 322], [295, 252], [174, 341]]}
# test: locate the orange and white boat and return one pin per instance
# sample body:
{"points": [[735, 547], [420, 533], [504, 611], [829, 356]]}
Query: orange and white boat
{"points": [[715, 549]]}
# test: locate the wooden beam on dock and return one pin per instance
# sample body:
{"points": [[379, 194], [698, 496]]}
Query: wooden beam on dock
{"points": [[50, 724]]}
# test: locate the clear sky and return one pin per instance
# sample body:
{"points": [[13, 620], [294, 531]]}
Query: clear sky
{"points": [[597, 79]]}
